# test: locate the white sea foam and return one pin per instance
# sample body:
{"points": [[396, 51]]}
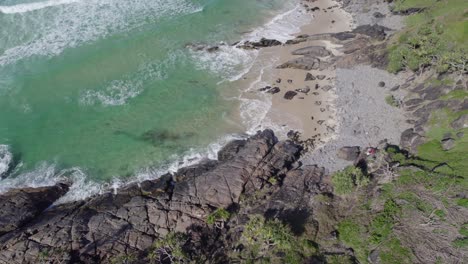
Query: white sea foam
{"points": [[6, 159], [228, 62], [283, 26], [82, 187], [119, 92], [23, 8], [47, 32]]}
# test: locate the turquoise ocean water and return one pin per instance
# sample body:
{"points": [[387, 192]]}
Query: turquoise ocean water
{"points": [[109, 87]]}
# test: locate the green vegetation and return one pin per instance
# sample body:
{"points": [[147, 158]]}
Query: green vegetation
{"points": [[170, 248], [270, 241], [339, 259], [391, 100], [461, 242], [123, 259], [347, 180], [434, 37], [455, 158], [218, 217], [354, 235]]}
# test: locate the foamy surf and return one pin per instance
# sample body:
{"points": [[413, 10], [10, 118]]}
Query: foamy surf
{"points": [[77, 22], [23, 8], [6, 158], [48, 174]]}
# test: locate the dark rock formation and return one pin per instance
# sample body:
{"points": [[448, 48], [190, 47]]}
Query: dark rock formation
{"points": [[349, 153], [289, 95], [309, 77], [317, 51], [303, 63], [18, 207], [128, 222], [262, 43], [374, 31]]}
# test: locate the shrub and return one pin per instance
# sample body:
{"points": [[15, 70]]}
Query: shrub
{"points": [[170, 248], [218, 217], [347, 180], [272, 241]]}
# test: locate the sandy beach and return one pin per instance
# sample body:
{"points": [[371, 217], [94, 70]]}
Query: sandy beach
{"points": [[308, 107]]}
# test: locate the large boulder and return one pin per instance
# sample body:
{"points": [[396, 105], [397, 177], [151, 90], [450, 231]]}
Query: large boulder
{"points": [[303, 63], [349, 153], [460, 123]]}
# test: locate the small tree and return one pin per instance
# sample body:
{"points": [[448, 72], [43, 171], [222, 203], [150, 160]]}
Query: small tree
{"points": [[218, 218], [169, 249]]}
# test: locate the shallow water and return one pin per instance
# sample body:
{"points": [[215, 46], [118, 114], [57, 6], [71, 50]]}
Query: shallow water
{"points": [[109, 87]]}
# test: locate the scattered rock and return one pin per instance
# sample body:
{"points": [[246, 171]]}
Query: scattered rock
{"points": [[381, 84], [461, 122], [309, 77], [274, 90], [448, 144], [290, 81], [326, 88], [321, 77], [460, 134], [303, 90], [378, 15], [349, 153], [290, 95], [278, 80]]}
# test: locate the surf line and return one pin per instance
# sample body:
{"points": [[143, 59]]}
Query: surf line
{"points": [[23, 8]]}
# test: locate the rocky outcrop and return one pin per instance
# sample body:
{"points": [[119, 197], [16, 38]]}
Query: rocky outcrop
{"points": [[262, 43], [317, 51], [18, 207], [303, 63], [129, 221]]}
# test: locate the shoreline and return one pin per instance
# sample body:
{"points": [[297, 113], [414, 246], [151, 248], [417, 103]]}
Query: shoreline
{"points": [[311, 111]]}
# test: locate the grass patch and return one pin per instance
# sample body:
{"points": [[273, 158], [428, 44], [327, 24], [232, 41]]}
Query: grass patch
{"points": [[354, 235], [462, 202], [348, 180], [395, 253], [434, 37], [432, 150], [460, 242]]}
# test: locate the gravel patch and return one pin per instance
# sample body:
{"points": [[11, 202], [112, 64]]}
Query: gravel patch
{"points": [[369, 12], [363, 115]]}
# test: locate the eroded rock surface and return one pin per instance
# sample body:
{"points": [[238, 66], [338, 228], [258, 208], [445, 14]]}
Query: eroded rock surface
{"points": [[130, 221]]}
